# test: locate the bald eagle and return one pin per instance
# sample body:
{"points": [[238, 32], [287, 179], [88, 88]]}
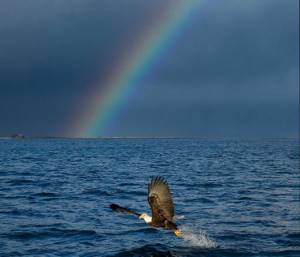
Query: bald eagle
{"points": [[161, 203]]}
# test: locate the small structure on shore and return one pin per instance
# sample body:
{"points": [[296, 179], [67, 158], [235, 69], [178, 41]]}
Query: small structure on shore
{"points": [[18, 136]]}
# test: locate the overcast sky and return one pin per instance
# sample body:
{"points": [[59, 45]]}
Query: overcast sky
{"points": [[232, 72]]}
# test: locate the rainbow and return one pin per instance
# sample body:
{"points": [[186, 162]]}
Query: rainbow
{"points": [[104, 104]]}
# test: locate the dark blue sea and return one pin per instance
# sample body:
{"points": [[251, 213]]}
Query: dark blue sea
{"points": [[232, 198]]}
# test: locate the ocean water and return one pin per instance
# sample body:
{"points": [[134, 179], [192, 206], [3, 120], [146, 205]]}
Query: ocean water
{"points": [[232, 198]]}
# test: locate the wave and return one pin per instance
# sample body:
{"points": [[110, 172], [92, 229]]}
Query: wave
{"points": [[97, 192], [46, 194], [18, 182], [52, 232], [159, 250]]}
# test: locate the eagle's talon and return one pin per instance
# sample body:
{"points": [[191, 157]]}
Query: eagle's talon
{"points": [[178, 232]]}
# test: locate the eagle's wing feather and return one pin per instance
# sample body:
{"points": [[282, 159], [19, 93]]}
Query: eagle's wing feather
{"points": [[118, 208], [160, 200]]}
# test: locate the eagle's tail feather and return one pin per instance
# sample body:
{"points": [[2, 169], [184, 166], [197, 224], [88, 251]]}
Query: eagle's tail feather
{"points": [[118, 208]]}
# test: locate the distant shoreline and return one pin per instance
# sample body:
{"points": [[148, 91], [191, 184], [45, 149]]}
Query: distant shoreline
{"points": [[169, 138]]}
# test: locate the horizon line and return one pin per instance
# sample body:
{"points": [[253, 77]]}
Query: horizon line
{"points": [[150, 137]]}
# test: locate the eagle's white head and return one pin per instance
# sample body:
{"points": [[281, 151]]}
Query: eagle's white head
{"points": [[145, 217]]}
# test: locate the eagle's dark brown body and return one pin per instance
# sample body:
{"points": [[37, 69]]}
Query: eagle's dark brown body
{"points": [[165, 225]]}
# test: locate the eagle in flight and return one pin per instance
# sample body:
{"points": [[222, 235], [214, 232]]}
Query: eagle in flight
{"points": [[162, 207]]}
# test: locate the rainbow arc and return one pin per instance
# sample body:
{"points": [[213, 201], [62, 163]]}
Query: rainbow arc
{"points": [[103, 105]]}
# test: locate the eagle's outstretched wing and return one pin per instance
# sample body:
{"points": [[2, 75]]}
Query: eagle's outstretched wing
{"points": [[160, 200], [119, 208]]}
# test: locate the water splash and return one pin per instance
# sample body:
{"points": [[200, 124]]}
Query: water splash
{"points": [[178, 217], [198, 239]]}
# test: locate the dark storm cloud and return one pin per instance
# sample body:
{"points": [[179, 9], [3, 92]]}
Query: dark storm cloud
{"points": [[232, 72], [237, 42], [52, 50]]}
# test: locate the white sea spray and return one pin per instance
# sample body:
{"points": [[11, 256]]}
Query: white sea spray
{"points": [[197, 238]]}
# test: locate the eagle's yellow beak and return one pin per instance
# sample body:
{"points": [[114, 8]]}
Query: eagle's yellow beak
{"points": [[178, 232]]}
